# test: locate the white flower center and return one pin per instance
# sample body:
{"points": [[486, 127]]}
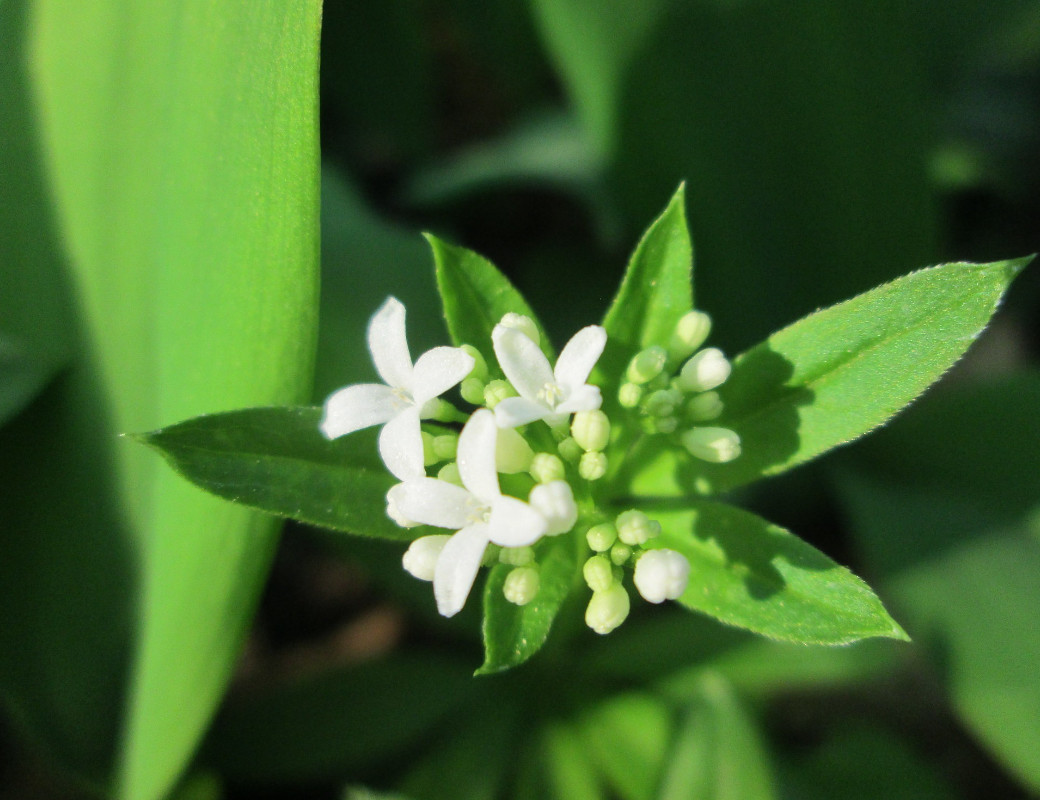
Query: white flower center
{"points": [[551, 394], [401, 399], [476, 511]]}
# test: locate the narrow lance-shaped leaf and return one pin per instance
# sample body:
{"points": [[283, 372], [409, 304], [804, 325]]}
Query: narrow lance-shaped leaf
{"points": [[839, 373], [752, 574], [275, 460], [512, 634], [476, 296]]}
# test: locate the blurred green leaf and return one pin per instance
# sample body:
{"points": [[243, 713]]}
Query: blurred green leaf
{"points": [[626, 738], [842, 371], [718, 753], [276, 460], [571, 773], [476, 296], [182, 149], [330, 724], [512, 634], [22, 376], [755, 575]]}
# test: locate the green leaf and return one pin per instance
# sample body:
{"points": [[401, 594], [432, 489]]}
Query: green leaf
{"points": [[332, 724], [475, 296], [512, 634], [22, 376], [755, 575], [626, 737], [718, 753], [570, 772], [847, 369], [182, 152], [276, 460]]}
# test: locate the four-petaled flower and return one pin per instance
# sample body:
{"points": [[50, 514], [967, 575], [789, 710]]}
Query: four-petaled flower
{"points": [[399, 404], [547, 393], [480, 513]]}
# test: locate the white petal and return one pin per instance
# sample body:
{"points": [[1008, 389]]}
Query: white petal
{"points": [[437, 370], [514, 411], [355, 407], [420, 559], [513, 523], [389, 346], [581, 398], [555, 502], [457, 568], [523, 363], [580, 356], [401, 447], [433, 502], [475, 456]]}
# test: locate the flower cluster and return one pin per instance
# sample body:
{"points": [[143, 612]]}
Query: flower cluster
{"points": [[542, 428]]}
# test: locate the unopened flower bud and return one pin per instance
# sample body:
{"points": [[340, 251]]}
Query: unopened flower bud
{"points": [[646, 365], [497, 391], [480, 369], [607, 609], [420, 559], [634, 527], [546, 467], [591, 429], [666, 424], [717, 445], [690, 333], [521, 585], [592, 466], [472, 391], [522, 323], [630, 394], [620, 553], [706, 370], [516, 556], [512, 452], [450, 473], [601, 537], [555, 502], [445, 446], [704, 407], [598, 573], [663, 402], [570, 450], [661, 575], [428, 453]]}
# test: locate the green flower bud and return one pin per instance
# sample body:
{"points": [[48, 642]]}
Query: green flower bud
{"points": [[570, 450], [523, 324], [512, 452], [666, 424], [663, 402], [630, 394], [620, 554], [521, 585], [601, 537], [646, 365], [428, 452], [634, 527], [516, 556], [690, 333], [715, 445], [480, 368], [497, 391], [704, 407], [450, 473], [706, 370], [598, 573], [444, 446], [472, 391], [607, 609], [591, 429], [592, 466], [546, 467]]}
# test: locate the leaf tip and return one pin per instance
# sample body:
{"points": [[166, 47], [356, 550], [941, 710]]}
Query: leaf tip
{"points": [[1015, 265]]}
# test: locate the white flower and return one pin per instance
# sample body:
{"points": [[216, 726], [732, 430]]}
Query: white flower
{"points": [[661, 575], [398, 405], [547, 393], [477, 510]]}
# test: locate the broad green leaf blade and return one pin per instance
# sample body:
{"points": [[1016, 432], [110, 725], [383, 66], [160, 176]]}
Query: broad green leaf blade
{"points": [[475, 296], [512, 634], [718, 753], [755, 575], [332, 724], [626, 737], [276, 460], [182, 149], [22, 376], [570, 772], [658, 285], [847, 369]]}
